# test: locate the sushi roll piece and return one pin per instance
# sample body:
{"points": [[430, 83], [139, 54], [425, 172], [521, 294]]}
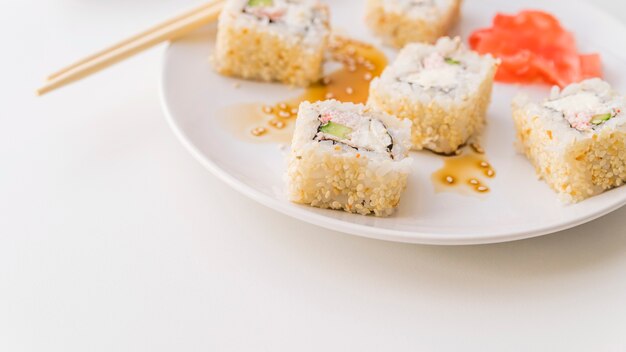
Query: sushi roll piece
{"points": [[348, 157], [273, 40], [399, 22], [444, 89], [576, 139]]}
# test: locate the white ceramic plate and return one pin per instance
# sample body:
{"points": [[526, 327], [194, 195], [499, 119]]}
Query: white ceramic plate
{"points": [[519, 206]]}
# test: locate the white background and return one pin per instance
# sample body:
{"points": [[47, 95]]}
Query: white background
{"points": [[112, 238]]}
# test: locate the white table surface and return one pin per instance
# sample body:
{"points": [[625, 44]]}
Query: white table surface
{"points": [[112, 238]]}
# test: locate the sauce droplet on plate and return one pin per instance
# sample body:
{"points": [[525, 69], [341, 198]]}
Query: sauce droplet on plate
{"points": [[464, 173]]}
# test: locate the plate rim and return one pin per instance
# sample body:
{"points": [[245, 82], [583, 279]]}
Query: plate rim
{"points": [[391, 235]]}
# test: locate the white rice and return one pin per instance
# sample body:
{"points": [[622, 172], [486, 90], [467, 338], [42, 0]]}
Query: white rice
{"points": [[410, 62], [303, 21]]}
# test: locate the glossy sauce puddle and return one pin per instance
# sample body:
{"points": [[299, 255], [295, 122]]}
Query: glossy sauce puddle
{"points": [[360, 62], [464, 173]]}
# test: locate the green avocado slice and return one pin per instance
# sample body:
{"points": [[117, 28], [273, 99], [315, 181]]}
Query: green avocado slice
{"points": [[337, 130], [598, 119], [260, 2]]}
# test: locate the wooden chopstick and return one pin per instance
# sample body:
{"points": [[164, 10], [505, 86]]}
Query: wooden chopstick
{"points": [[171, 29], [132, 39]]}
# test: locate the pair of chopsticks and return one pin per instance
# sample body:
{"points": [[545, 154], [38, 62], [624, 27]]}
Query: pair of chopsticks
{"points": [[171, 29]]}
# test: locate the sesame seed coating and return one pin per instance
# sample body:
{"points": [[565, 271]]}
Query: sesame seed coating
{"points": [[576, 165], [397, 28]]}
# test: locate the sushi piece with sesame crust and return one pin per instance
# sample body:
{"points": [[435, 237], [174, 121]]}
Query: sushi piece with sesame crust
{"points": [[399, 22], [576, 139], [444, 89], [348, 157], [273, 40]]}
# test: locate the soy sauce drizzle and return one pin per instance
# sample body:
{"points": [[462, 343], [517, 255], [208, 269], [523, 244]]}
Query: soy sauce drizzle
{"points": [[273, 123], [465, 172]]}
